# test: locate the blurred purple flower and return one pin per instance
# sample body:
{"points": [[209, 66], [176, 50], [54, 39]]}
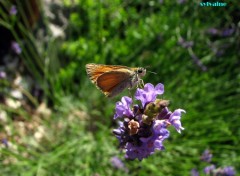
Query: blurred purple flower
{"points": [[229, 171], [5, 142], [181, 1], [213, 31], [206, 156], [212, 170], [198, 62], [118, 164], [185, 44], [194, 172], [2, 74], [145, 127], [123, 107], [16, 48], [223, 33], [149, 93], [209, 169], [160, 1], [13, 10], [227, 32], [219, 52], [188, 45]]}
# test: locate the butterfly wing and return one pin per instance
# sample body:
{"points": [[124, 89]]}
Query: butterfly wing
{"points": [[95, 70], [114, 82]]}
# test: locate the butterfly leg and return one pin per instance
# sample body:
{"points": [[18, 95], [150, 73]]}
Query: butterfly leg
{"points": [[131, 85], [141, 83]]}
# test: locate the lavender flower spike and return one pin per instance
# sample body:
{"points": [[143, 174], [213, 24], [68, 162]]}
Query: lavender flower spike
{"points": [[144, 128]]}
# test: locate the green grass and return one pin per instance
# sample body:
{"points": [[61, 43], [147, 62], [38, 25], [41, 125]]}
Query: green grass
{"points": [[77, 137]]}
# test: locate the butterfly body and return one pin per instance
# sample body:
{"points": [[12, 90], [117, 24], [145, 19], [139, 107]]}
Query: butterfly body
{"points": [[113, 79]]}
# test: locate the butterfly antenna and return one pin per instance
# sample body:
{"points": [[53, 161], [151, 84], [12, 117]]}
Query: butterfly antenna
{"points": [[152, 72]]}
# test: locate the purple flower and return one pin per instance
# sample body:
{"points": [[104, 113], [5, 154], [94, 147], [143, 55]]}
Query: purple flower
{"points": [[209, 169], [161, 133], [149, 93], [5, 142], [13, 10], [139, 152], [229, 171], [118, 164], [16, 48], [227, 32], [164, 114], [148, 144], [175, 119], [194, 172], [2, 74], [219, 52], [160, 1], [222, 33], [122, 134], [198, 62], [145, 127], [212, 170], [213, 31], [123, 107], [206, 156], [181, 1], [185, 44]]}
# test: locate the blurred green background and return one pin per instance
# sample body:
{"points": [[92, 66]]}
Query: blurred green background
{"points": [[53, 121]]}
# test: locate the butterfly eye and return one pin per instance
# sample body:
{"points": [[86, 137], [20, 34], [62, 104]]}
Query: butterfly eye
{"points": [[140, 71]]}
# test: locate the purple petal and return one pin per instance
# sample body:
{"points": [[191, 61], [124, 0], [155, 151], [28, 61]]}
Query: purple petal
{"points": [[149, 93], [126, 100], [178, 112], [145, 139], [148, 87], [159, 89], [175, 119], [123, 107], [159, 125], [164, 114], [158, 145]]}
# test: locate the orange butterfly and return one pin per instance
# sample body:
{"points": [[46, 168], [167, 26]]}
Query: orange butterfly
{"points": [[113, 79]]}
